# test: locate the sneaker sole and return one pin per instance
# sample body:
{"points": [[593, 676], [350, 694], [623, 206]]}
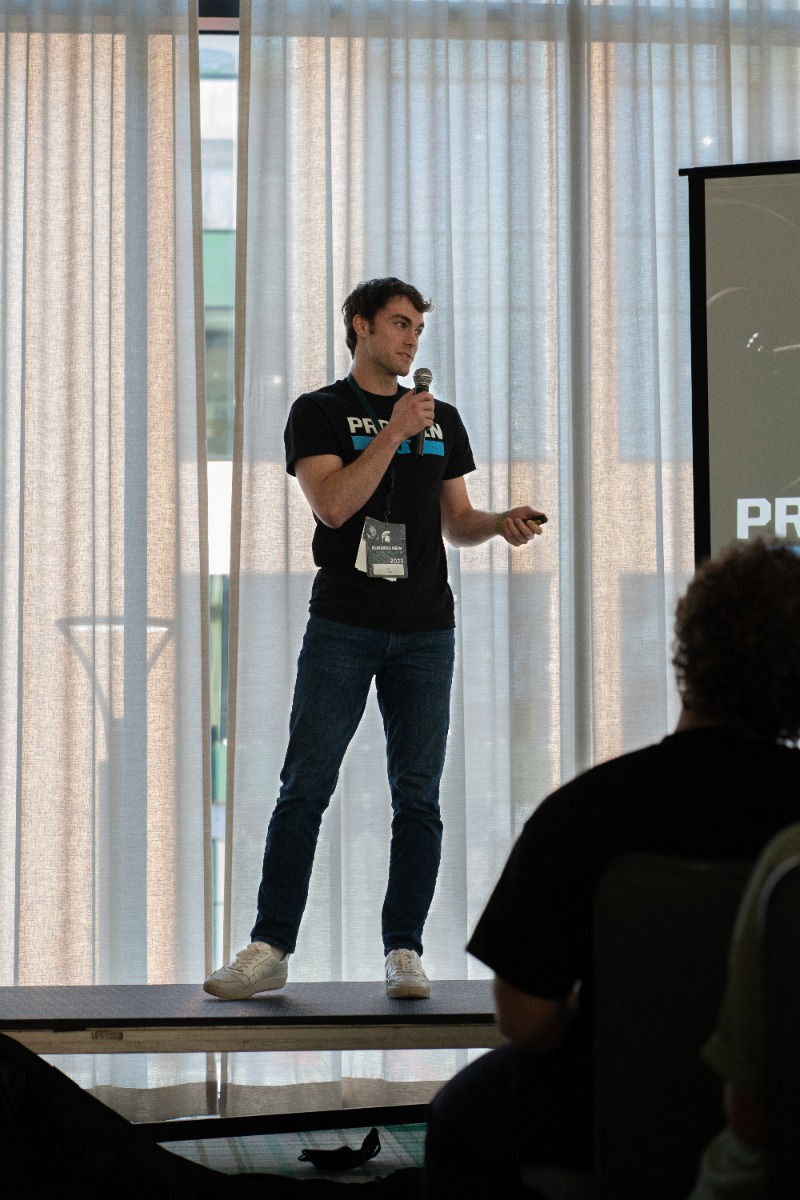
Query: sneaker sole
{"points": [[224, 992], [407, 991]]}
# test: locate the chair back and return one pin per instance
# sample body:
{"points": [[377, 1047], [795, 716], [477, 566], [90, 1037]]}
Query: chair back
{"points": [[661, 937], [780, 944]]}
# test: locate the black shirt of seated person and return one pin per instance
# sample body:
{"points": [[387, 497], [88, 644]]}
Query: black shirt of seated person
{"points": [[704, 793]]}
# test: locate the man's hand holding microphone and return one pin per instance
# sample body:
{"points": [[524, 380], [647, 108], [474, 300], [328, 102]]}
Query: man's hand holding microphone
{"points": [[415, 410]]}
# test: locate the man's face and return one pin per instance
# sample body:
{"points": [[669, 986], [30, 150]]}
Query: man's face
{"points": [[390, 341]]}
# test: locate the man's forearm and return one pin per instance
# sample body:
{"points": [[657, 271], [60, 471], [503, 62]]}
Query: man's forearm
{"points": [[472, 528], [335, 492], [338, 494], [531, 1021], [464, 525]]}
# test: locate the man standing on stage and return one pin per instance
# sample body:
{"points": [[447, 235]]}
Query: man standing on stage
{"points": [[380, 608]]}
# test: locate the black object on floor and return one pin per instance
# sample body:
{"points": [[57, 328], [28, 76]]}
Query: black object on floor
{"points": [[344, 1158]]}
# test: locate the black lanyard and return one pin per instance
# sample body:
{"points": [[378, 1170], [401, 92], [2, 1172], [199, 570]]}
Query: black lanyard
{"points": [[371, 414]]}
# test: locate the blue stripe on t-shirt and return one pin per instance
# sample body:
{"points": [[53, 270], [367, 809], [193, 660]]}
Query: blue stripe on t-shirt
{"points": [[361, 441]]}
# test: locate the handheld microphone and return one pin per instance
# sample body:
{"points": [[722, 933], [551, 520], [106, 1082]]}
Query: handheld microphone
{"points": [[422, 383]]}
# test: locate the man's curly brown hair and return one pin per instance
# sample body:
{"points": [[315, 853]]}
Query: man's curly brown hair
{"points": [[737, 641], [368, 298]]}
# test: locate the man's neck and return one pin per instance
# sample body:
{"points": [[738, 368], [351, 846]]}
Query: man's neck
{"points": [[690, 720], [372, 380]]}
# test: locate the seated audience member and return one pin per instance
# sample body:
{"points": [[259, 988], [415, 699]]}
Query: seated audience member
{"points": [[733, 1165], [720, 786]]}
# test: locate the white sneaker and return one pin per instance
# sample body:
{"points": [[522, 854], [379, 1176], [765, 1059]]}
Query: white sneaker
{"points": [[405, 978], [258, 968]]}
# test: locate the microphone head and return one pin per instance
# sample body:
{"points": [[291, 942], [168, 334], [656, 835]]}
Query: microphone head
{"points": [[423, 379]]}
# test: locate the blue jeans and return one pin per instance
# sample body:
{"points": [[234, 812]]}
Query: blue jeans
{"points": [[413, 673]]}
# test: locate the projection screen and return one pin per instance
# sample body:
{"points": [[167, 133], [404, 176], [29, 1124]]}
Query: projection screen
{"points": [[744, 238]]}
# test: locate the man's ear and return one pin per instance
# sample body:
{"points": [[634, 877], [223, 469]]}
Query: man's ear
{"points": [[360, 325]]}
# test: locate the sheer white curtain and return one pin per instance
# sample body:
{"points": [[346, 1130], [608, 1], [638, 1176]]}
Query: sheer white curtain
{"points": [[103, 695], [519, 163]]}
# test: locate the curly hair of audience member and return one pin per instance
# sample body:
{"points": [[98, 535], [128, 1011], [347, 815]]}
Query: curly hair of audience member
{"points": [[737, 641]]}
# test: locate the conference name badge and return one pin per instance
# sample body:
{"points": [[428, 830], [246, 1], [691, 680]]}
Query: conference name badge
{"points": [[382, 550]]}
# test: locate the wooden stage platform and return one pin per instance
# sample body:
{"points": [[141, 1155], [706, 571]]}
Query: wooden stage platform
{"points": [[181, 1018]]}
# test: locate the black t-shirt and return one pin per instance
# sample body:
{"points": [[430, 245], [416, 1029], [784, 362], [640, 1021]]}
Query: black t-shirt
{"points": [[704, 793], [334, 421]]}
